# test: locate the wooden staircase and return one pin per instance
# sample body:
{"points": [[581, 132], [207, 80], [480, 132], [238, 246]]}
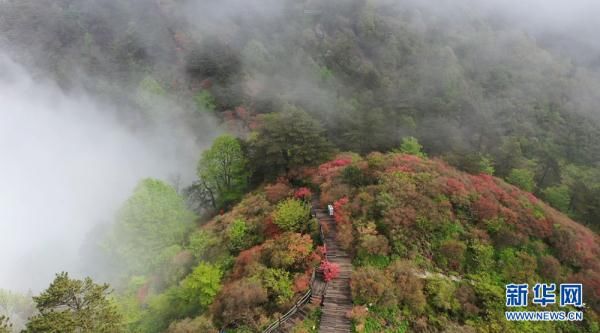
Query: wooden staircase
{"points": [[335, 297], [338, 297]]}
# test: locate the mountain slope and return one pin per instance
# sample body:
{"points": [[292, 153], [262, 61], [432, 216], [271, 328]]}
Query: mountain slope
{"points": [[402, 215]]}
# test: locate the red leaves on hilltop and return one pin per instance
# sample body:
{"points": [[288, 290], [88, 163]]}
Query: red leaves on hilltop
{"points": [[405, 163], [332, 169]]}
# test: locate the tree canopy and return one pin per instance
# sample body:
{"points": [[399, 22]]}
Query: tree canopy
{"points": [[287, 140], [152, 223], [223, 172], [73, 306]]}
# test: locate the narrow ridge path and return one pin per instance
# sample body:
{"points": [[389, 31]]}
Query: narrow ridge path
{"points": [[338, 297]]}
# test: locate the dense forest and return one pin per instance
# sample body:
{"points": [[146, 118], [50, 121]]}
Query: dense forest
{"points": [[460, 151]]}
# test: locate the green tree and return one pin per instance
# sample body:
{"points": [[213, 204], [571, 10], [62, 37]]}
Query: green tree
{"points": [[285, 141], [202, 285], [70, 305], [410, 145], [486, 165], [292, 214], [222, 171], [558, 196], [522, 178], [149, 224]]}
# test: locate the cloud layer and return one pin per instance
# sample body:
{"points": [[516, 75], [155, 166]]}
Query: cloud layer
{"points": [[66, 164]]}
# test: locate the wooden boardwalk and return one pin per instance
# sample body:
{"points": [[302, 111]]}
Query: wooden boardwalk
{"points": [[338, 298]]}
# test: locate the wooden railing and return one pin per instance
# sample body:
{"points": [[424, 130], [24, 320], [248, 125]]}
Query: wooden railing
{"points": [[306, 297], [299, 303]]}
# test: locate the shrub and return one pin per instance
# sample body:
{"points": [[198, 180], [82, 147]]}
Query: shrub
{"points": [[303, 193], [290, 251], [372, 243], [202, 244], [277, 192], [330, 270], [246, 259], [408, 288], [442, 294], [292, 215], [370, 285], [236, 234], [301, 282], [198, 324], [468, 300], [549, 268], [353, 176], [451, 254], [358, 315], [278, 284], [345, 236], [240, 302]]}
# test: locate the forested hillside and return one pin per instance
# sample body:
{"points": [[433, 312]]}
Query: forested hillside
{"points": [[471, 160]]}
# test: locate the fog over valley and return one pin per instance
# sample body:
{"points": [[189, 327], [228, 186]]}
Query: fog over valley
{"points": [[67, 164]]}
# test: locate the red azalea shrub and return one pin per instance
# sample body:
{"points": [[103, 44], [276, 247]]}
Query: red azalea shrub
{"points": [[341, 215], [270, 228], [303, 193], [330, 270], [486, 208], [245, 259], [302, 282], [332, 169]]}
